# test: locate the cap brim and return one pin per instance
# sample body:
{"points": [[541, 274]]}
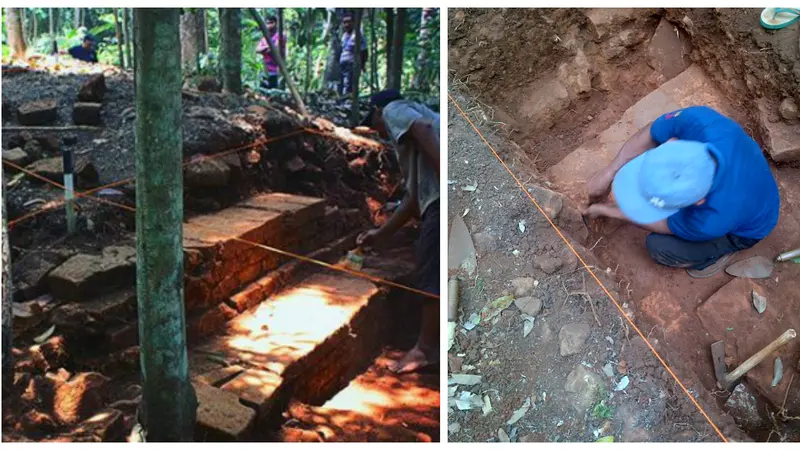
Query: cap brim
{"points": [[630, 199]]}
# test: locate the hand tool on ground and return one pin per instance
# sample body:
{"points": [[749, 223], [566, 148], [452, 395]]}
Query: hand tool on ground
{"points": [[452, 311], [726, 380], [786, 256], [755, 267]]}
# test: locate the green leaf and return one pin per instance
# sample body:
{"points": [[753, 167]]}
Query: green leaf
{"points": [[606, 439], [729, 329]]}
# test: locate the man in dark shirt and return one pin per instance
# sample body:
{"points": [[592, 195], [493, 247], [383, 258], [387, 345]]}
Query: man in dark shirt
{"points": [[85, 51]]}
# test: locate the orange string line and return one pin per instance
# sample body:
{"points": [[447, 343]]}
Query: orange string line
{"points": [[688, 394]]}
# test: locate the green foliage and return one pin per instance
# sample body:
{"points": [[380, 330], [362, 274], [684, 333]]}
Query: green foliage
{"points": [[602, 411]]}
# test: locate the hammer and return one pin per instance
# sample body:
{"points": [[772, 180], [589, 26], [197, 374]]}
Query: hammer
{"points": [[726, 380]]}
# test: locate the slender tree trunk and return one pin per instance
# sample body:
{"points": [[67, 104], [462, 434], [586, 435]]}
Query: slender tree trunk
{"points": [[389, 41], [230, 49], [205, 31], [333, 71], [54, 43], [279, 14], [83, 17], [309, 48], [119, 38], [191, 39], [279, 59], [357, 64], [373, 53], [8, 314], [16, 38], [397, 49], [170, 403], [420, 73], [77, 18], [126, 36], [35, 25]]}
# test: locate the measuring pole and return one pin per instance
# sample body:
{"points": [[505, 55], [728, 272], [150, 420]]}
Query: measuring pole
{"points": [[69, 192]]}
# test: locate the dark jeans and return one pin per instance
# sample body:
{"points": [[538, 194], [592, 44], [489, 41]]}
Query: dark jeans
{"points": [[270, 81], [673, 251], [347, 76], [428, 250]]}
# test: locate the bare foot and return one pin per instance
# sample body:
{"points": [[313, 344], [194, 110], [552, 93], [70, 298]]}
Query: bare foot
{"points": [[414, 360]]}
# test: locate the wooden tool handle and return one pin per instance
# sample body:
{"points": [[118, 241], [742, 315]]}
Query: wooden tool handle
{"points": [[754, 360], [452, 300]]}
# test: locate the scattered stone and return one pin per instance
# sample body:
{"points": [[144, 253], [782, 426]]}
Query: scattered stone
{"points": [[106, 426], [49, 143], [623, 383], [16, 156], [33, 149], [573, 337], [30, 274], [296, 164], [79, 398], [453, 428], [529, 305], [464, 379], [544, 100], [93, 90], [782, 140], [522, 286], [759, 302], [53, 169], [668, 52], [741, 405], [777, 372], [50, 355], [485, 243], [547, 263], [788, 109], [86, 114], [84, 276], [608, 369], [576, 76], [39, 112], [585, 385], [38, 423], [604, 21], [208, 173], [220, 414]]}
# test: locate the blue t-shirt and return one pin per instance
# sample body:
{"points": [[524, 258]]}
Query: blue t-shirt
{"points": [[744, 199], [84, 54]]}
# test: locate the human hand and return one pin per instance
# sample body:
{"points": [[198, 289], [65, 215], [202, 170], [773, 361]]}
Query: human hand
{"points": [[368, 238], [595, 211], [599, 185]]}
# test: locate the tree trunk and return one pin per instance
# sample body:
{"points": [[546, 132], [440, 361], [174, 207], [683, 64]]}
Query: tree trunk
{"points": [[8, 314], [54, 43], [373, 55], [309, 48], [357, 64], [279, 59], [205, 31], [16, 39], [126, 36], [191, 39], [77, 18], [333, 72], [170, 403], [119, 38], [397, 49], [35, 25], [421, 73], [389, 40], [279, 14], [230, 49]]}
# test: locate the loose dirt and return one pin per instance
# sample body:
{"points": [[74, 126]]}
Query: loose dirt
{"points": [[612, 65]]}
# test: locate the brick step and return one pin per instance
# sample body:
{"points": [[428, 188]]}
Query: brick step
{"points": [[304, 343], [378, 405], [217, 264]]}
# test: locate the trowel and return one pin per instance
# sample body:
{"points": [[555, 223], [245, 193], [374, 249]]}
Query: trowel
{"points": [[755, 267], [461, 250]]}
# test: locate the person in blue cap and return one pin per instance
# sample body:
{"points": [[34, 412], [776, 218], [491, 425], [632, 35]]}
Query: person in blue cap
{"points": [[85, 51], [697, 181], [414, 131]]}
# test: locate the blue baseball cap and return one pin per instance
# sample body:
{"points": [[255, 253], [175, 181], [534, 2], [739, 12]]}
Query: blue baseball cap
{"points": [[661, 181]]}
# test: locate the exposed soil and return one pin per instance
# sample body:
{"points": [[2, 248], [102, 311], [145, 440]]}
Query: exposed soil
{"points": [[352, 172], [749, 65]]}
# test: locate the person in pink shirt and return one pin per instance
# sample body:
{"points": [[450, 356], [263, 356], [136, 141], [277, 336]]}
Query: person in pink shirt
{"points": [[270, 64]]}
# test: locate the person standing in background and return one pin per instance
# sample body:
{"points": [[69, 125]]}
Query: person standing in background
{"points": [[271, 68], [347, 58]]}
